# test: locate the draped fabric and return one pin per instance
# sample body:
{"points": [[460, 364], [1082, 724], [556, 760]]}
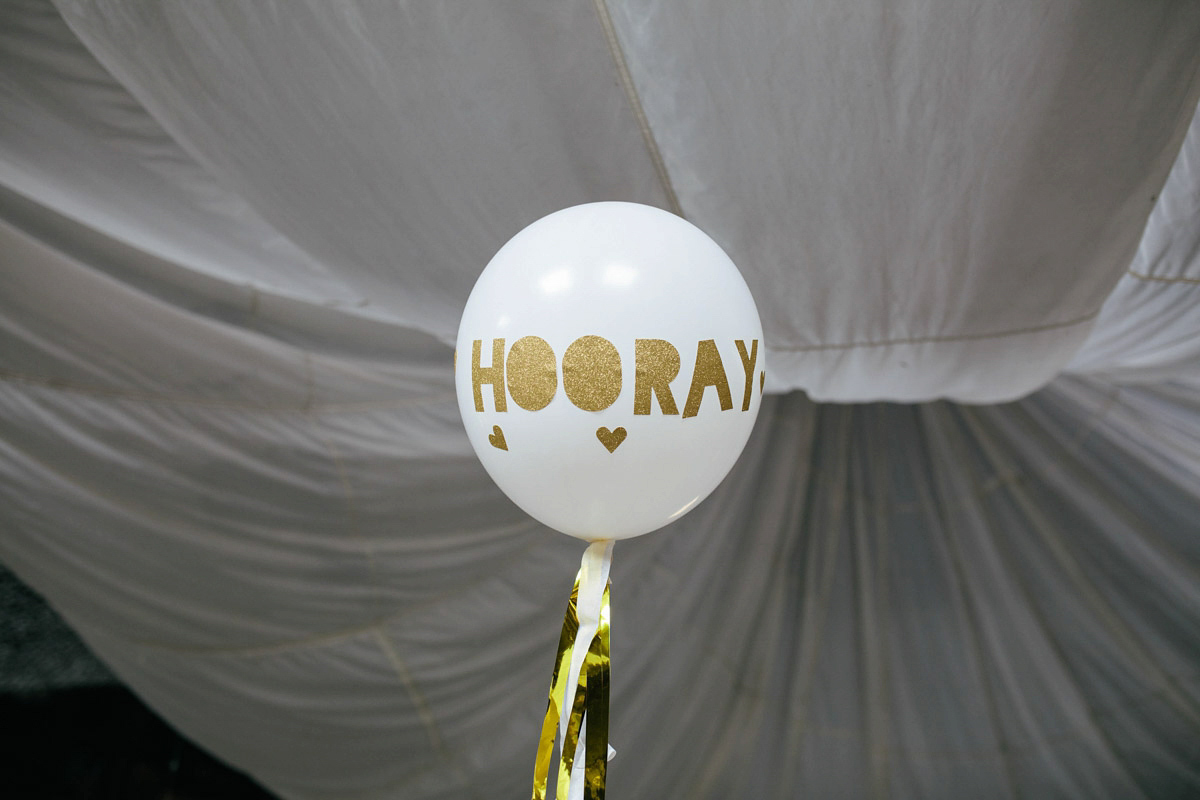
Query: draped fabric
{"points": [[963, 561]]}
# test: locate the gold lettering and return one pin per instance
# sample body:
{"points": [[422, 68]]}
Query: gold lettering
{"points": [[532, 373], [656, 365], [591, 370], [493, 374], [748, 365], [709, 371]]}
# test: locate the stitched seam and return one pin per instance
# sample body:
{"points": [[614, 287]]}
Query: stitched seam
{"points": [[934, 339], [415, 694], [618, 56], [1141, 276], [325, 638], [306, 408]]}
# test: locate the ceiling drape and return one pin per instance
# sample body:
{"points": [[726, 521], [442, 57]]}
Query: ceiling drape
{"points": [[959, 556]]}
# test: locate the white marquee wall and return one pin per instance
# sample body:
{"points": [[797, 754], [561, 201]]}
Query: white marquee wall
{"points": [[234, 242]]}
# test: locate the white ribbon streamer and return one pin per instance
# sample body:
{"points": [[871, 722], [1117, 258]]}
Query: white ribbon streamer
{"points": [[593, 577]]}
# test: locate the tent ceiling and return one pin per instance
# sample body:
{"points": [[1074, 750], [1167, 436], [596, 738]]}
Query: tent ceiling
{"points": [[234, 243]]}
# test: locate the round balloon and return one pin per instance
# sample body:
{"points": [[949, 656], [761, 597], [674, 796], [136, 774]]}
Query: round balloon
{"points": [[609, 368]]}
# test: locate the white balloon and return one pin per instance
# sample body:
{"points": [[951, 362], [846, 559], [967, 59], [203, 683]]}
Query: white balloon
{"points": [[588, 447]]}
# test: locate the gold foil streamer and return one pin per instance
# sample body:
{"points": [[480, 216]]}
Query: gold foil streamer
{"points": [[597, 667], [562, 665], [591, 699]]}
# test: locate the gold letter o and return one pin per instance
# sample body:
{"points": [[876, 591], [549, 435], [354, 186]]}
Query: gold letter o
{"points": [[532, 373], [592, 373]]}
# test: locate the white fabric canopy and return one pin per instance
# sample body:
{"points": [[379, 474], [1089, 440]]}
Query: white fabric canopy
{"points": [[235, 240]]}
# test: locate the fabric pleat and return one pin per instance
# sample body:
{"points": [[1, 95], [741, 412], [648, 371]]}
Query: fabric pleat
{"points": [[960, 556]]}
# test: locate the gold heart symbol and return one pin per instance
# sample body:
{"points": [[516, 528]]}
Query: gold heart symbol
{"points": [[496, 437], [611, 439]]}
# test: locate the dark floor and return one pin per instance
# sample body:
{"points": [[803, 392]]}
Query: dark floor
{"points": [[99, 743], [70, 731]]}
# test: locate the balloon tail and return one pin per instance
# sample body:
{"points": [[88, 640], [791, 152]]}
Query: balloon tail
{"points": [[581, 674]]}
